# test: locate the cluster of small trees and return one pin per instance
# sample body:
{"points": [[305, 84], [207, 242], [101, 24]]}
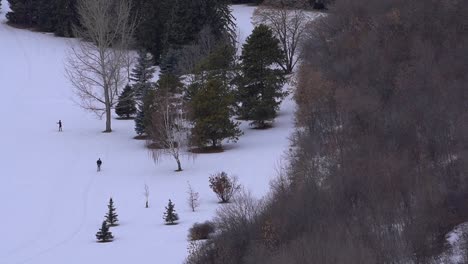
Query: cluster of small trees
{"points": [[197, 112], [224, 186]]}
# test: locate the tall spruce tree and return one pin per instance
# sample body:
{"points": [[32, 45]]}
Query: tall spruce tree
{"points": [[144, 108], [143, 71], [104, 235], [260, 91], [142, 74], [126, 104], [111, 216], [211, 114], [170, 216]]}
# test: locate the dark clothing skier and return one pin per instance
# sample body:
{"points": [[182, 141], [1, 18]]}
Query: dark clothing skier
{"points": [[99, 162], [60, 125]]}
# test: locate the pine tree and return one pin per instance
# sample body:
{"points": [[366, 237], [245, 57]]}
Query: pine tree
{"points": [[260, 90], [170, 216], [211, 114], [143, 71], [145, 106], [111, 216], [142, 75], [104, 235], [23, 12], [126, 104]]}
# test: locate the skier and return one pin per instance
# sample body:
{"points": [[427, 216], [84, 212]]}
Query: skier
{"points": [[60, 125], [99, 162]]}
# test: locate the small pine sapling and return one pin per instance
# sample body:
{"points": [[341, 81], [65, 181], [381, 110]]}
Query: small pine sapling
{"points": [[170, 216], [111, 216], [104, 235], [223, 186], [193, 198]]}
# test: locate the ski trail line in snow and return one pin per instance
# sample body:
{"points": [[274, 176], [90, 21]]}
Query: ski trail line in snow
{"points": [[85, 198]]}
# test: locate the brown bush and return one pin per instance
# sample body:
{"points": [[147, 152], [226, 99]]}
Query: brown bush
{"points": [[201, 230], [224, 186]]}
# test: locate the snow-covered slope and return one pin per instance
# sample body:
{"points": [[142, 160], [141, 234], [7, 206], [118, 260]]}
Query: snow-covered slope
{"points": [[52, 200]]}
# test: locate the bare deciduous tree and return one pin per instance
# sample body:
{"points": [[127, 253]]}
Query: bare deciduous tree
{"points": [[288, 27], [169, 129], [193, 199], [96, 65]]}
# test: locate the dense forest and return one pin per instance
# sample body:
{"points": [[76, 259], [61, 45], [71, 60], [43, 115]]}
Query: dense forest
{"points": [[163, 27], [377, 168]]}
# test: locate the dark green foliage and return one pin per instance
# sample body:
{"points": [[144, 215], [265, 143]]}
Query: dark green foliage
{"points": [[143, 71], [162, 25], [170, 216], [144, 108], [23, 12], [111, 216], [143, 90], [191, 23], [139, 121], [149, 33], [169, 62], [221, 59], [126, 104], [211, 114], [56, 16], [104, 235], [260, 89]]}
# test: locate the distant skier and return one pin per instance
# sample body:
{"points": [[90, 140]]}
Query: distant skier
{"points": [[60, 125], [99, 162]]}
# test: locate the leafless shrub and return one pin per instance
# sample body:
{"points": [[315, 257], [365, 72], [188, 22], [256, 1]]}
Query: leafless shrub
{"points": [[201, 230], [224, 186], [193, 199]]}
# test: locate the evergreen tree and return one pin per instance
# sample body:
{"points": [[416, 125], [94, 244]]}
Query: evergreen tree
{"points": [[23, 12], [111, 216], [66, 17], [145, 106], [139, 121], [149, 33], [126, 104], [260, 90], [170, 216], [211, 114], [143, 71], [104, 235], [58, 16], [142, 75]]}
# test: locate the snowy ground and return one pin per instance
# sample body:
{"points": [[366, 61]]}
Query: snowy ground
{"points": [[52, 200]]}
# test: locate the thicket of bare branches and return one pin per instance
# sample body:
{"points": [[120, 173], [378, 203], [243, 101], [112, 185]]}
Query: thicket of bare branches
{"points": [[378, 171], [288, 26], [97, 65]]}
